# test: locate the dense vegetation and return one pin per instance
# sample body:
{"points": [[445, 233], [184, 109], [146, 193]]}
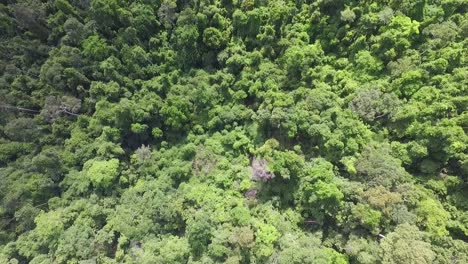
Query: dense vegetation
{"points": [[234, 131]]}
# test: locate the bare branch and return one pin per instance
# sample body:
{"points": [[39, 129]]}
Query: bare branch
{"points": [[19, 108]]}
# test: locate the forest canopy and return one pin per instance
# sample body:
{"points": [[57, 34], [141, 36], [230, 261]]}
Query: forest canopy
{"points": [[234, 131]]}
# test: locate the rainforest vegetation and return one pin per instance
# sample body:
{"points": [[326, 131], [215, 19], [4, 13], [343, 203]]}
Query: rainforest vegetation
{"points": [[234, 131]]}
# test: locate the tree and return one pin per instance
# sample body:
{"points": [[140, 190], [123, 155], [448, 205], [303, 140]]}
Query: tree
{"points": [[167, 13], [22, 129], [433, 217], [406, 245], [49, 227], [146, 208], [298, 248], [186, 37], [109, 14], [168, 249], [199, 234], [377, 167], [367, 63], [31, 15], [76, 242], [348, 15], [95, 48], [373, 105], [265, 236], [63, 70], [76, 32], [260, 171], [102, 173], [362, 250], [213, 38], [110, 91], [54, 107], [144, 19], [318, 193]]}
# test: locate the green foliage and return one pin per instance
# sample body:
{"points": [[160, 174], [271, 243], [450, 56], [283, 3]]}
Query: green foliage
{"points": [[348, 15], [366, 216], [265, 236], [168, 249], [65, 6], [318, 192], [22, 129], [305, 249], [95, 48], [433, 217], [254, 131], [377, 167], [372, 104], [199, 234], [406, 244], [102, 173], [11, 150], [49, 226], [362, 251], [213, 38]]}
